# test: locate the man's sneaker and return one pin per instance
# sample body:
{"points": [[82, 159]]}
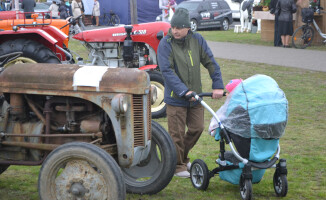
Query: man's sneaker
{"points": [[188, 166], [183, 174]]}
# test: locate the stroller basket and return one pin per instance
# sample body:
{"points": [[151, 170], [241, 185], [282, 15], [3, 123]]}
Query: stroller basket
{"points": [[244, 150]]}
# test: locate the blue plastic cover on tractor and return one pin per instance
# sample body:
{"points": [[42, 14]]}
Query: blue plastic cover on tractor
{"points": [[256, 111]]}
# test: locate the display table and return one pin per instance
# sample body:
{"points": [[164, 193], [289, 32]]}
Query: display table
{"points": [[267, 25]]}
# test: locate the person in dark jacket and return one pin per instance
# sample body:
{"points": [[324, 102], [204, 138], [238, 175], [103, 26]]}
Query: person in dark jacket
{"points": [[28, 6], [285, 9], [180, 54], [277, 36], [63, 10]]}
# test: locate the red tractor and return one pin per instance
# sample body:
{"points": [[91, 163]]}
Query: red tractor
{"points": [[130, 46]]}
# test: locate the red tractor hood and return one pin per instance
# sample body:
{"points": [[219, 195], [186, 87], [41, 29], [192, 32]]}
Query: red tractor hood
{"points": [[146, 33]]}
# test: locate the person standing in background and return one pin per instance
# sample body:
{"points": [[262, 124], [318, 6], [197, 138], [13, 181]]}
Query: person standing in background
{"points": [[165, 6], [277, 36], [96, 12], [68, 5], [2, 6], [63, 10], [28, 6], [285, 9], [76, 7], [54, 9]]}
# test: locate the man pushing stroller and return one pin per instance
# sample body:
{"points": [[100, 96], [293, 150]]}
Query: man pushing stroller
{"points": [[180, 54]]}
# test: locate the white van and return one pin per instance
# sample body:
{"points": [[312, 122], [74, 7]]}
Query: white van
{"points": [[235, 8]]}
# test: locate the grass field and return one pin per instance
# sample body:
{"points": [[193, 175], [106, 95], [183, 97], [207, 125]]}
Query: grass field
{"points": [[246, 38], [303, 144]]}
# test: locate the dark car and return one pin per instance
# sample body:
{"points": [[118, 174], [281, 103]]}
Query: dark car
{"points": [[40, 7], [208, 14]]}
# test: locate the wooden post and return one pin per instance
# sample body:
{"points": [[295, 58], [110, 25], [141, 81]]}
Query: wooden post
{"points": [[133, 11], [15, 4]]}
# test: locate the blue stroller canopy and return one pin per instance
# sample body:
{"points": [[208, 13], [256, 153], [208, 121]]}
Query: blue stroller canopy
{"points": [[256, 108]]}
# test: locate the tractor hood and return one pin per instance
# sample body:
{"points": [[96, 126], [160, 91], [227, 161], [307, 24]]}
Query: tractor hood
{"points": [[72, 78], [146, 32]]}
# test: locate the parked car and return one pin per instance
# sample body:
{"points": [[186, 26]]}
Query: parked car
{"points": [[235, 8], [208, 14], [39, 8], [42, 7]]}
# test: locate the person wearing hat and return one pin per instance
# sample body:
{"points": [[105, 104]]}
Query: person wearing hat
{"points": [[180, 54]]}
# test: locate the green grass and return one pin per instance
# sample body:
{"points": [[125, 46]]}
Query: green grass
{"points": [[230, 36], [245, 38], [303, 144]]}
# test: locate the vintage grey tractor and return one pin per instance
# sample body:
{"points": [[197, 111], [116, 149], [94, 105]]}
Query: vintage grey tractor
{"points": [[89, 127]]}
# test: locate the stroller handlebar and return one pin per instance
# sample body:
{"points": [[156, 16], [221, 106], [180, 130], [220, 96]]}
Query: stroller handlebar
{"points": [[208, 94], [204, 94]]}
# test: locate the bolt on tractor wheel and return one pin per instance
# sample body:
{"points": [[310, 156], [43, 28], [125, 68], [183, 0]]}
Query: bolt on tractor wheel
{"points": [[80, 171], [154, 173], [199, 174]]}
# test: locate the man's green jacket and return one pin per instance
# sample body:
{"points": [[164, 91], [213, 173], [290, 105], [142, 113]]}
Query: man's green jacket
{"points": [[179, 61]]}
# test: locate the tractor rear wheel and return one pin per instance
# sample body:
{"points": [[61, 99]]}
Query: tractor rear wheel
{"points": [[153, 174], [27, 51], [158, 109]]}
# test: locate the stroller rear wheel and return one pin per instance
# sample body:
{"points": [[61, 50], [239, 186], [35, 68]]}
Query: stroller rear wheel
{"points": [[199, 174], [280, 184], [245, 188]]}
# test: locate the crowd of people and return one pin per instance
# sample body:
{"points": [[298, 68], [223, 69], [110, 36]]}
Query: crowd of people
{"points": [[59, 9]]}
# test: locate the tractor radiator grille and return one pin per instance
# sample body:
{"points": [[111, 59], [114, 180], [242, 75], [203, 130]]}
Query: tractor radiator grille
{"points": [[139, 121], [149, 114]]}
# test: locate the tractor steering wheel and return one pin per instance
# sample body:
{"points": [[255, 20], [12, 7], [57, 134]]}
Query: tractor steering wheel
{"points": [[72, 20]]}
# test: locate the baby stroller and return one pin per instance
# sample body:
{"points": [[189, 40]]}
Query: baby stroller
{"points": [[251, 121]]}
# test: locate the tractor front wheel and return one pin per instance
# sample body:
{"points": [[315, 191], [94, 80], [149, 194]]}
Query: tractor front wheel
{"points": [[80, 170]]}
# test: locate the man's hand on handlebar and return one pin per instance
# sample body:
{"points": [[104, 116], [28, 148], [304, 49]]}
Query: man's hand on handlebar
{"points": [[217, 93], [189, 93]]}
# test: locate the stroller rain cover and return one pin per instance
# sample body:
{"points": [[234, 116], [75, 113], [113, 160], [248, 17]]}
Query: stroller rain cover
{"points": [[256, 108], [257, 111]]}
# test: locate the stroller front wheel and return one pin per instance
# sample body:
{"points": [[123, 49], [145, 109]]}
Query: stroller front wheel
{"points": [[245, 188], [280, 184], [199, 174]]}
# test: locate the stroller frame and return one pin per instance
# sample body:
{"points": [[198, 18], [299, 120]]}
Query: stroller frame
{"points": [[200, 175]]}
